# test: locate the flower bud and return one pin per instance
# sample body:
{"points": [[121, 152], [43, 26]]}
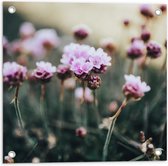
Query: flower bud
{"points": [[94, 82], [81, 132]]}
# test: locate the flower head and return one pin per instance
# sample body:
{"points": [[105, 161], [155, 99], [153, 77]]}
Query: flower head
{"points": [[63, 72], [81, 31], [81, 132], [153, 49], [44, 71], [134, 87], [108, 45], [94, 82], [136, 49], [146, 10], [145, 35], [13, 73], [47, 37], [26, 30]]}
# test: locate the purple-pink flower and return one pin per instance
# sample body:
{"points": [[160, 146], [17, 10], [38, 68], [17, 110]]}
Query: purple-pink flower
{"points": [[26, 30], [81, 132], [44, 71], [153, 49], [134, 87], [136, 49], [83, 59], [13, 73], [146, 10], [63, 72]]}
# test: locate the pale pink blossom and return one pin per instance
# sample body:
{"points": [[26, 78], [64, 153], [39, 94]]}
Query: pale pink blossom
{"points": [[44, 71], [47, 37], [134, 87], [26, 30], [88, 96], [13, 73]]}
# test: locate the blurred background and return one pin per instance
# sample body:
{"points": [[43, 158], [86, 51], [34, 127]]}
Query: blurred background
{"points": [[105, 21]]}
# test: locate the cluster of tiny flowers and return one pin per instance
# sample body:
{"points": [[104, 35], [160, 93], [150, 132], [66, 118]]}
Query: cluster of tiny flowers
{"points": [[83, 59], [13, 73], [44, 71], [136, 49], [134, 88]]}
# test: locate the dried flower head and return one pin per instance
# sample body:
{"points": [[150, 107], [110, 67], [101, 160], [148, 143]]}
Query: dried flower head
{"points": [[153, 49], [134, 88], [94, 82], [44, 71], [13, 73]]}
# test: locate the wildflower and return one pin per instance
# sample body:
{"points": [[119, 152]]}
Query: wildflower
{"points": [[88, 96], [13, 73], [146, 10], [48, 38], [153, 49], [134, 87], [112, 107], [136, 49], [63, 72], [126, 22], [26, 30], [15, 47], [108, 45], [44, 71], [145, 35], [81, 132], [81, 31], [94, 82]]}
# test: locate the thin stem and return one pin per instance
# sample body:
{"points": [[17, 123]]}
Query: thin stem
{"points": [[165, 62], [110, 130], [42, 109], [84, 90], [62, 91], [130, 71], [17, 109]]}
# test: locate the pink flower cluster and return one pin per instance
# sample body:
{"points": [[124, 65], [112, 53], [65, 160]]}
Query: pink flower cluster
{"points": [[44, 71], [13, 73], [83, 59], [134, 87]]}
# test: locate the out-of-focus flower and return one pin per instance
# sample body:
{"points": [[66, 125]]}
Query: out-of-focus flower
{"points": [[145, 35], [136, 49], [88, 96], [82, 59], [81, 132], [146, 10], [81, 31], [153, 49], [94, 82], [26, 30], [44, 71], [8, 159], [63, 72], [15, 47], [35, 160], [5, 44], [33, 47], [13, 73], [112, 107], [126, 22], [105, 123], [47, 37], [108, 45], [134, 87], [69, 83], [51, 140], [163, 8]]}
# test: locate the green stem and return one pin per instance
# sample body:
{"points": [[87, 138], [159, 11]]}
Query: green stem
{"points": [[96, 108], [130, 71], [110, 130]]}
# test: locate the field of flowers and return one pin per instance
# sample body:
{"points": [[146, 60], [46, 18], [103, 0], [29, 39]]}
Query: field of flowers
{"points": [[72, 100]]}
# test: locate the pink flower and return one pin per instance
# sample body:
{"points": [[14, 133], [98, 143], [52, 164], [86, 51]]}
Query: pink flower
{"points": [[81, 132], [88, 94], [81, 31], [136, 49], [5, 44], [47, 37], [44, 71], [26, 30], [134, 87], [13, 73], [15, 47], [146, 10], [63, 72]]}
